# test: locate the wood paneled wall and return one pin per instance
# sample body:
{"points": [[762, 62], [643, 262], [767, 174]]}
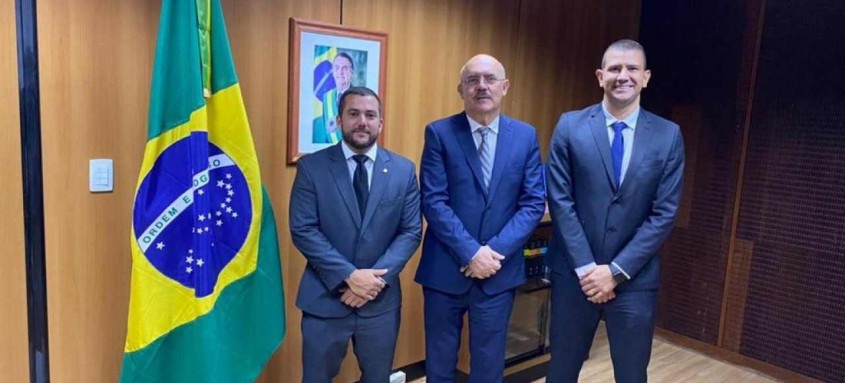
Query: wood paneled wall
{"points": [[14, 362], [559, 48], [95, 61], [96, 57]]}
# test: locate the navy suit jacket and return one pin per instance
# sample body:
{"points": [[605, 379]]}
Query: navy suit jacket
{"points": [[462, 214], [596, 220], [327, 228]]}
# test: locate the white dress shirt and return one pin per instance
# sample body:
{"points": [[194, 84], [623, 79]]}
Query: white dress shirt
{"points": [[352, 165], [492, 137], [628, 143]]}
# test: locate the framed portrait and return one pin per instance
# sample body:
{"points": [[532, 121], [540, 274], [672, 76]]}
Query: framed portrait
{"points": [[325, 60]]}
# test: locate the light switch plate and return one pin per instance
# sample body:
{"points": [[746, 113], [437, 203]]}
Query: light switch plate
{"points": [[100, 175]]}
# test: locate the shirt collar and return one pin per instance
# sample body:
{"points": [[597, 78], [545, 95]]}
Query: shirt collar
{"points": [[348, 153], [475, 125], [631, 120]]}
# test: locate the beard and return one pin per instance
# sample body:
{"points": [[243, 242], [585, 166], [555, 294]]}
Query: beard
{"points": [[359, 144]]}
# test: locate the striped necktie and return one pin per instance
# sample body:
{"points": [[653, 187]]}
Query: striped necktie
{"points": [[485, 155]]}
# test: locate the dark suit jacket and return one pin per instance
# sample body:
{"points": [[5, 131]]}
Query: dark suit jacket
{"points": [[327, 228], [594, 219], [463, 215]]}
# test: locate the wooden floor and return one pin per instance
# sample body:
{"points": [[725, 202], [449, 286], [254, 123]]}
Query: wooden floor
{"points": [[669, 364]]}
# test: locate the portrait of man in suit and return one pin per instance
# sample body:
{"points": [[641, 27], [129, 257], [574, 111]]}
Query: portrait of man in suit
{"points": [[482, 195], [355, 217], [614, 176], [341, 74]]}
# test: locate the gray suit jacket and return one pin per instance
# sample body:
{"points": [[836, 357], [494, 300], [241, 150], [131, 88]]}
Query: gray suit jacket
{"points": [[595, 219], [328, 229]]}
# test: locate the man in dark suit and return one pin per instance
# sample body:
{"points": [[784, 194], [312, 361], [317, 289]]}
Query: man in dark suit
{"points": [[482, 194], [615, 173], [355, 216]]}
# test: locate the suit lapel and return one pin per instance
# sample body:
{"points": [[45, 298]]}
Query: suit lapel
{"points": [[340, 174], [503, 151], [381, 178], [464, 137], [599, 129], [642, 137]]}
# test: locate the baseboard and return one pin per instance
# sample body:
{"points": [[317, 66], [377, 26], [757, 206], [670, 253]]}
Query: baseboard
{"points": [[417, 370]]}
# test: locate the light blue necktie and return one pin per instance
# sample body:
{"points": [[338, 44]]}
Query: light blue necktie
{"points": [[485, 155], [617, 150]]}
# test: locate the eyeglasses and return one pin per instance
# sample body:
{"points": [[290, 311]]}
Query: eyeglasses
{"points": [[474, 81]]}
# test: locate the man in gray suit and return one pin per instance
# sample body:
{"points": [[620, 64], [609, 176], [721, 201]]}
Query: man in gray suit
{"points": [[615, 173], [355, 216]]}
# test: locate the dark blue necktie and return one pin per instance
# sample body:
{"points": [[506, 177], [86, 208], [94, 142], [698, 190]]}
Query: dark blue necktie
{"points": [[617, 149], [360, 182]]}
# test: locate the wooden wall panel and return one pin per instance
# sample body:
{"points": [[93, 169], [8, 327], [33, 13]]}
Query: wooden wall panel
{"points": [[14, 361], [560, 44], [95, 61]]}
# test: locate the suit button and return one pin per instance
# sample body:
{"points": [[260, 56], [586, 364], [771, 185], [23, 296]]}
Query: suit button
{"points": [[611, 230]]}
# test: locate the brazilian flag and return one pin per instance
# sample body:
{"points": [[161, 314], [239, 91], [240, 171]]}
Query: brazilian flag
{"points": [[325, 129], [206, 301]]}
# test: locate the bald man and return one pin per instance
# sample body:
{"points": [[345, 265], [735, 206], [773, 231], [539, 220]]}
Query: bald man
{"points": [[482, 195]]}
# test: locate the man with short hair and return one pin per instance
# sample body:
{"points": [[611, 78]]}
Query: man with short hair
{"points": [[482, 195], [355, 216], [614, 176]]}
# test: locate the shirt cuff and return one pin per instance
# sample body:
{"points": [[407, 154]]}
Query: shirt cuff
{"points": [[464, 267], [583, 270], [620, 270]]}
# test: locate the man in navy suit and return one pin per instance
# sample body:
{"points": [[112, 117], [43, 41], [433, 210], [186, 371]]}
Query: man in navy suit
{"points": [[615, 173], [355, 216], [482, 195]]}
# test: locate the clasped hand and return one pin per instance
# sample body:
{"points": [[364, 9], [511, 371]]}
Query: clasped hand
{"points": [[484, 264], [364, 285], [598, 284]]}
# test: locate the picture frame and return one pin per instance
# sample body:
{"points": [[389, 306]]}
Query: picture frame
{"points": [[325, 59]]}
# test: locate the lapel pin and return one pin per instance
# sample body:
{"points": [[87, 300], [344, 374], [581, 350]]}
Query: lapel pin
{"points": [[384, 170]]}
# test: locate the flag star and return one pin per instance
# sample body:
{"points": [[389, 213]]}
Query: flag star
{"points": [[160, 245], [228, 209], [190, 251], [219, 222], [200, 262], [218, 213], [193, 230], [189, 269], [235, 215], [228, 186], [207, 229], [228, 176], [200, 192], [231, 192], [228, 199], [201, 217], [208, 216], [189, 259], [223, 205], [220, 183]]}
